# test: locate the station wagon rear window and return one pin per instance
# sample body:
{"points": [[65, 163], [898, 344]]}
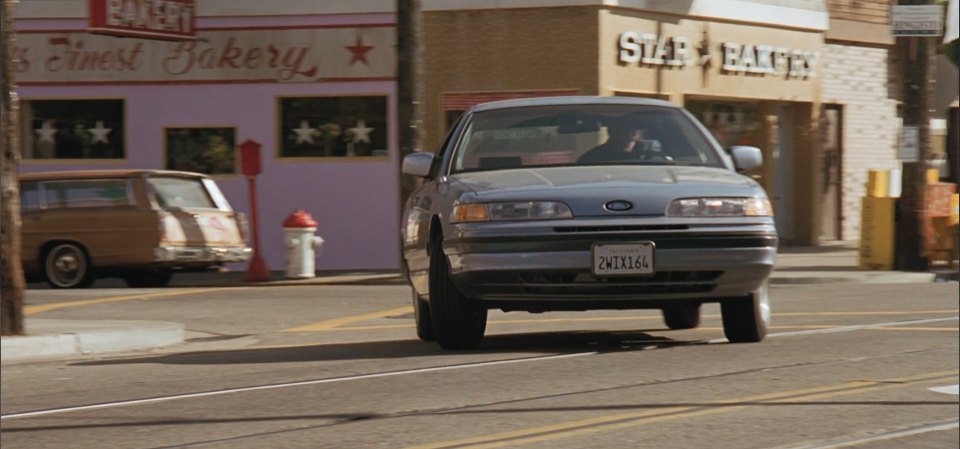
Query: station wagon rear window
{"points": [[182, 193]]}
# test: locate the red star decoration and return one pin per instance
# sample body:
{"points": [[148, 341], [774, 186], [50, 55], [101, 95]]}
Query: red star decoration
{"points": [[359, 51]]}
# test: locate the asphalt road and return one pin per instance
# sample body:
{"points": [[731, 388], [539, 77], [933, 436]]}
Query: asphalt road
{"points": [[851, 365]]}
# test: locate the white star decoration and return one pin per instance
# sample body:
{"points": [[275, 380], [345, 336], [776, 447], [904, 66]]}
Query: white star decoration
{"points": [[360, 133], [304, 132], [46, 132], [99, 132]]}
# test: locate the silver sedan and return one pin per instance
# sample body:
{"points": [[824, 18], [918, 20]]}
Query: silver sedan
{"points": [[583, 203]]}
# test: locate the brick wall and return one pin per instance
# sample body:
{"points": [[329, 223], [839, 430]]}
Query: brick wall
{"points": [[505, 50], [870, 11], [859, 79]]}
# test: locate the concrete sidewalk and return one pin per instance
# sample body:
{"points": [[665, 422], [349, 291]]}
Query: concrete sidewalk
{"points": [[836, 263]]}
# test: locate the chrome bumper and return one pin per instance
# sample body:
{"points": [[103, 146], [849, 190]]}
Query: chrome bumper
{"points": [[201, 254]]}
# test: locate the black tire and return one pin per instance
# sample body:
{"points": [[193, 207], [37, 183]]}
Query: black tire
{"points": [[421, 314], [745, 320], [682, 316], [147, 278], [458, 321], [67, 265]]}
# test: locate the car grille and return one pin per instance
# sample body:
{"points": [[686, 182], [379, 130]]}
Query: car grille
{"points": [[580, 284], [621, 228]]}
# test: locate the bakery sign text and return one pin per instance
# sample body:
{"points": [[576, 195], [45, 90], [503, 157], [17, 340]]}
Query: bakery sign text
{"points": [[649, 49]]}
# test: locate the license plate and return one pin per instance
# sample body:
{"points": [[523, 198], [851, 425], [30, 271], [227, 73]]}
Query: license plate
{"points": [[616, 259]]}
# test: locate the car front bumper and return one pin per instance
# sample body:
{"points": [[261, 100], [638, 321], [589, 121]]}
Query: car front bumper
{"points": [[693, 264]]}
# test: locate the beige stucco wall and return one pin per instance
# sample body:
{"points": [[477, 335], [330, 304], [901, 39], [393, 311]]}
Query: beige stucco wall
{"points": [[702, 76], [708, 80]]}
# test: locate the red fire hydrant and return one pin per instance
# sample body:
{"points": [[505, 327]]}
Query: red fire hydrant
{"points": [[298, 231]]}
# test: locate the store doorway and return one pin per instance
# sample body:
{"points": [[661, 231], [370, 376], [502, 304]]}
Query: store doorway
{"points": [[831, 166]]}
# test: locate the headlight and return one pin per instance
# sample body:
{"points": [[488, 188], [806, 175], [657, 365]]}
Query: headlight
{"points": [[514, 210], [720, 207]]}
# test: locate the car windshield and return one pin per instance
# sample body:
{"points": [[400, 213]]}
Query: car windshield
{"points": [[573, 135]]}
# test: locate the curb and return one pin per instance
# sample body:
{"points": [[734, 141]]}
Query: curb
{"points": [[59, 338], [864, 277]]}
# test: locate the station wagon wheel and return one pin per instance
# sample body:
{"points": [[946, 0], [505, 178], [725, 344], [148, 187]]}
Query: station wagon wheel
{"points": [[745, 320], [421, 314], [147, 278], [458, 321], [682, 316], [67, 265]]}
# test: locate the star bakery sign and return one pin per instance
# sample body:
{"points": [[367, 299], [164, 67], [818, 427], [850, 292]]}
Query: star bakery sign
{"points": [[648, 49]]}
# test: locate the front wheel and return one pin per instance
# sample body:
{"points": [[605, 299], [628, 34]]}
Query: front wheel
{"points": [[458, 321], [745, 320], [421, 314], [67, 265]]}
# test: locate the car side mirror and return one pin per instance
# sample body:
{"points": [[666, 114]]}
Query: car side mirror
{"points": [[746, 158], [417, 164]]}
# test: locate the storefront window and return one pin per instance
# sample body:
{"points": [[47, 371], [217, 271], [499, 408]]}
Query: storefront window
{"points": [[333, 126], [204, 150], [731, 123], [72, 129]]}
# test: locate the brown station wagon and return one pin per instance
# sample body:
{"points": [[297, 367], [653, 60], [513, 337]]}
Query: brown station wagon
{"points": [[139, 225]]}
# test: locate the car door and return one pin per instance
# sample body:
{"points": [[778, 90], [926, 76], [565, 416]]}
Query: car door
{"points": [[100, 214]]}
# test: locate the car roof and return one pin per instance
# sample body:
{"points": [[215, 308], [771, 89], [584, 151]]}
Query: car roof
{"points": [[114, 173], [570, 100]]}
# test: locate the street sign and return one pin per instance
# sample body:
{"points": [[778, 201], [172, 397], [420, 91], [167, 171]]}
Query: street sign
{"points": [[148, 19], [909, 144], [917, 20]]}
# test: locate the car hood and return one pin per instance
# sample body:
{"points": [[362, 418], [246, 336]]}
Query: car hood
{"points": [[649, 188]]}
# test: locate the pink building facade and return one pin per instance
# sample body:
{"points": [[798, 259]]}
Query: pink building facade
{"points": [[316, 89]]}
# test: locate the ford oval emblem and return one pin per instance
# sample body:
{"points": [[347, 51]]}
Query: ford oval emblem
{"points": [[618, 206]]}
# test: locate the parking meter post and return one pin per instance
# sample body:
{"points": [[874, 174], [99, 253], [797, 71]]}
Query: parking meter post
{"points": [[250, 165], [257, 270]]}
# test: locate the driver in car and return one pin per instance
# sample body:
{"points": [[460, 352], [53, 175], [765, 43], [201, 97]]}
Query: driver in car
{"points": [[625, 142]]}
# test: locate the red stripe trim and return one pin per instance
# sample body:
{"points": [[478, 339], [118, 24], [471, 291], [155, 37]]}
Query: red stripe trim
{"points": [[227, 28], [144, 83]]}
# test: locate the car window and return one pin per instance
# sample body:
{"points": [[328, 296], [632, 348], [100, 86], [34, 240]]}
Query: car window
{"points": [[86, 193], [564, 135], [29, 196], [181, 193]]}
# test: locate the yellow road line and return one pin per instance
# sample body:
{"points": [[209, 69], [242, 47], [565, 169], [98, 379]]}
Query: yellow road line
{"points": [[28, 310], [340, 324], [624, 420], [330, 324]]}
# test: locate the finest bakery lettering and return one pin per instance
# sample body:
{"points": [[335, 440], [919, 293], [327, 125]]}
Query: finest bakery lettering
{"points": [[69, 55], [289, 62]]}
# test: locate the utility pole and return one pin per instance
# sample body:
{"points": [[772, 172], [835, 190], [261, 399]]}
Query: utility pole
{"points": [[408, 75], [916, 56], [408, 98], [12, 283]]}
